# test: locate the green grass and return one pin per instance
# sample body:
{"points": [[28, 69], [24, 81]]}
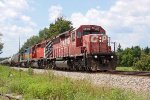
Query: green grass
{"points": [[126, 69], [47, 87]]}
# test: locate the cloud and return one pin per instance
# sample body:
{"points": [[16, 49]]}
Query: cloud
{"points": [[14, 23], [25, 18], [12, 8], [127, 21], [55, 11]]}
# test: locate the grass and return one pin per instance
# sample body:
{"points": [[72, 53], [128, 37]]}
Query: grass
{"points": [[126, 69], [48, 86]]}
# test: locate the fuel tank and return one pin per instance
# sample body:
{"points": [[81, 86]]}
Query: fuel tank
{"points": [[61, 64]]}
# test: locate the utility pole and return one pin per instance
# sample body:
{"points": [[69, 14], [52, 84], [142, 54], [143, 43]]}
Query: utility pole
{"points": [[114, 43], [19, 51], [108, 41], [19, 44]]}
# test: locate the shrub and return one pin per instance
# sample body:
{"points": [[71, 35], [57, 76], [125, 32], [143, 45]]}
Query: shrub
{"points": [[30, 71], [143, 64]]}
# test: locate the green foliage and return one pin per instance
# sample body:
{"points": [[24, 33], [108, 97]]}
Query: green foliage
{"points": [[134, 56], [30, 42], [147, 50], [144, 63], [44, 34], [119, 49], [125, 69], [30, 71], [1, 44], [47, 87], [128, 56], [61, 25]]}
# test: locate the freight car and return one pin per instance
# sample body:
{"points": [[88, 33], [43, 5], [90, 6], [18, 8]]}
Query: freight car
{"points": [[85, 48]]}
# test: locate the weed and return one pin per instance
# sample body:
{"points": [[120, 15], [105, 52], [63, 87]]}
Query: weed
{"points": [[47, 86]]}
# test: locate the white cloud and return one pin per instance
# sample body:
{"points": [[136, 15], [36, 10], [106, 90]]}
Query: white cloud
{"points": [[12, 8], [55, 11], [25, 18], [127, 21], [14, 23]]}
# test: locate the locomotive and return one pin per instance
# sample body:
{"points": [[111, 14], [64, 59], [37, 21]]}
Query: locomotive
{"points": [[84, 48]]}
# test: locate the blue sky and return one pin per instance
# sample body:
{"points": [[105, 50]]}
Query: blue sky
{"points": [[40, 8], [125, 21]]}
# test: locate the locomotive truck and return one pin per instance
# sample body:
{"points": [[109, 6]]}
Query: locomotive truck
{"points": [[84, 48]]}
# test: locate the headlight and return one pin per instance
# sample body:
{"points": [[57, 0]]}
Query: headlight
{"points": [[112, 57], [95, 56]]}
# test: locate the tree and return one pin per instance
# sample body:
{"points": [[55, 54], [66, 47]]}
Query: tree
{"points": [[1, 44], [43, 34], [61, 25], [127, 57], [147, 50], [119, 49], [30, 42], [119, 54], [144, 63], [136, 52]]}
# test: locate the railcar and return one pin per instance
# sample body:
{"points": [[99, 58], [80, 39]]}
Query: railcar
{"points": [[37, 55], [25, 57], [15, 60]]}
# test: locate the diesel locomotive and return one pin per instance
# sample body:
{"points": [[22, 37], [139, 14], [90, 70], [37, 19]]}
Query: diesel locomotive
{"points": [[85, 48]]}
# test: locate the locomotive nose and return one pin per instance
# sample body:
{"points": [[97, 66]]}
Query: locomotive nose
{"points": [[98, 43]]}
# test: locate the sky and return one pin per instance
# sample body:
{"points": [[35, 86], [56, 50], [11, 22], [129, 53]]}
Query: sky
{"points": [[126, 21]]}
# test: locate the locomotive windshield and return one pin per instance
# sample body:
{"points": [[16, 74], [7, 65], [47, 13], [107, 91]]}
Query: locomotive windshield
{"points": [[92, 32]]}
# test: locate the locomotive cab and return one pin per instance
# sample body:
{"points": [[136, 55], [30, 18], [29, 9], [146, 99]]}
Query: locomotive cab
{"points": [[97, 50], [95, 40]]}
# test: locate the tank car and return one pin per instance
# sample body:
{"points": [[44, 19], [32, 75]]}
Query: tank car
{"points": [[15, 60]]}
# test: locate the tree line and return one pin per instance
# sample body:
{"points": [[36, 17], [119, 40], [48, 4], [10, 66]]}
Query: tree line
{"points": [[137, 57]]}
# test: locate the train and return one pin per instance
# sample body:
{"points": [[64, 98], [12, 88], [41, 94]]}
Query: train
{"points": [[85, 48]]}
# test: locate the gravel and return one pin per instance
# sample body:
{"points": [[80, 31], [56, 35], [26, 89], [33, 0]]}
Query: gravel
{"points": [[127, 82]]}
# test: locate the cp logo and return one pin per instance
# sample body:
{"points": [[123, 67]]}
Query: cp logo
{"points": [[95, 38]]}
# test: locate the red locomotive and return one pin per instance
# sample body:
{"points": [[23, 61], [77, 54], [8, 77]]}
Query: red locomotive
{"points": [[85, 48]]}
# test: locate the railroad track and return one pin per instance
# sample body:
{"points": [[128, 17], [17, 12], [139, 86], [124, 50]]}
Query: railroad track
{"points": [[118, 72], [135, 73]]}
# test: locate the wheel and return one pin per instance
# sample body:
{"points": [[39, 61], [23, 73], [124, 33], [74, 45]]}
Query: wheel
{"points": [[53, 66], [93, 66]]}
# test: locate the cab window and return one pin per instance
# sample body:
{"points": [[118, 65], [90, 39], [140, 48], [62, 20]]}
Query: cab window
{"points": [[96, 32], [79, 35], [90, 32], [73, 36], [86, 32]]}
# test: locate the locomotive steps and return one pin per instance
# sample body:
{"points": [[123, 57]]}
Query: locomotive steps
{"points": [[127, 82]]}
